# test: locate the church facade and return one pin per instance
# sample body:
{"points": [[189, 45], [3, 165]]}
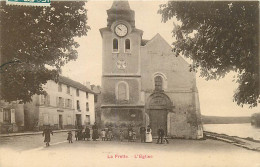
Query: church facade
{"points": [[143, 82]]}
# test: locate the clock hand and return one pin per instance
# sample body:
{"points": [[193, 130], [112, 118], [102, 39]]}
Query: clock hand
{"points": [[119, 28]]}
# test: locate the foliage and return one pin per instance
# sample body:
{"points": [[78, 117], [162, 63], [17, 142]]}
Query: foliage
{"points": [[255, 119], [35, 43], [219, 37]]}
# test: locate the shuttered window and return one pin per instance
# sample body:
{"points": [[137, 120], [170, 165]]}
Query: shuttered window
{"points": [[87, 107], [7, 115], [78, 105]]}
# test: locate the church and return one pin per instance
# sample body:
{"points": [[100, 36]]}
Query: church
{"points": [[143, 82]]}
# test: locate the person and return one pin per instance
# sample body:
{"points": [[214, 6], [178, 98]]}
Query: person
{"points": [[106, 137], [95, 132], [142, 134], [87, 133], [70, 137], [80, 134], [83, 134], [148, 136], [103, 135], [47, 136], [121, 135], [110, 133], [130, 135], [76, 134], [160, 134], [134, 135]]}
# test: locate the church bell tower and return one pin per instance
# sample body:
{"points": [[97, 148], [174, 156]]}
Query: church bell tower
{"points": [[121, 74]]}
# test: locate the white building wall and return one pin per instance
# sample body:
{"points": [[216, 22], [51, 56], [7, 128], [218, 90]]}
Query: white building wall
{"points": [[49, 114], [91, 108]]}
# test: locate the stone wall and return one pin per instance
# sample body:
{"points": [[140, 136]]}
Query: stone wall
{"points": [[121, 118], [110, 58], [109, 90]]}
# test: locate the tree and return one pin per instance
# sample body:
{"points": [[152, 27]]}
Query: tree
{"points": [[219, 37], [35, 43]]}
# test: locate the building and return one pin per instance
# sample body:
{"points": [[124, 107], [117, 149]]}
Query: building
{"points": [[97, 99], [143, 82], [67, 104], [11, 117]]}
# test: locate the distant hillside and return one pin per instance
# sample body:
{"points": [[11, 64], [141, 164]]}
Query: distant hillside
{"points": [[224, 120]]}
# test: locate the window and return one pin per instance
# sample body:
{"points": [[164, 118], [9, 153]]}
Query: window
{"points": [[87, 107], [45, 99], [78, 106], [68, 89], [122, 91], [68, 103], [86, 94], [61, 102], [87, 120], [127, 45], [115, 45], [77, 92], [95, 98], [7, 115], [158, 83], [122, 94], [60, 87]]}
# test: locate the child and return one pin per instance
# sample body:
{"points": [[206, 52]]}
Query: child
{"points": [[121, 135], [134, 136], [103, 135], [69, 137], [130, 135], [106, 130], [110, 135], [76, 135]]}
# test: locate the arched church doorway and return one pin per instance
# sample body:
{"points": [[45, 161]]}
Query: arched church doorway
{"points": [[159, 104]]}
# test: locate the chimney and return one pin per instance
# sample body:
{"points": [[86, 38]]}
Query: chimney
{"points": [[88, 84]]}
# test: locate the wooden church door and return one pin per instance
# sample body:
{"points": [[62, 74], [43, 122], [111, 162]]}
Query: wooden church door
{"points": [[158, 118]]}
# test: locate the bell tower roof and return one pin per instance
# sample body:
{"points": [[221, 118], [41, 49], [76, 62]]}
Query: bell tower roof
{"points": [[120, 5], [120, 10]]}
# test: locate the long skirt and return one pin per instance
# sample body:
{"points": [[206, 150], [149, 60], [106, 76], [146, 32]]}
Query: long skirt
{"points": [[148, 138], [95, 134], [87, 135]]}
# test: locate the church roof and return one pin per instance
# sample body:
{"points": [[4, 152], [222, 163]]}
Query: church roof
{"points": [[144, 42], [156, 37], [74, 84]]}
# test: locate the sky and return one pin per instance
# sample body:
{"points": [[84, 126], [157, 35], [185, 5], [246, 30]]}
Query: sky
{"points": [[216, 97]]}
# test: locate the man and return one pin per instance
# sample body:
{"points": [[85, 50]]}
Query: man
{"points": [[95, 132], [142, 134], [47, 135], [87, 133], [160, 133]]}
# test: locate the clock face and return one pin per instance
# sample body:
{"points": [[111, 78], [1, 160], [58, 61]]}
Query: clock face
{"points": [[121, 64], [121, 30]]}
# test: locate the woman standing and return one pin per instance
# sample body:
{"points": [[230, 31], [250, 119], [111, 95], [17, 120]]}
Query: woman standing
{"points": [[148, 136]]}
